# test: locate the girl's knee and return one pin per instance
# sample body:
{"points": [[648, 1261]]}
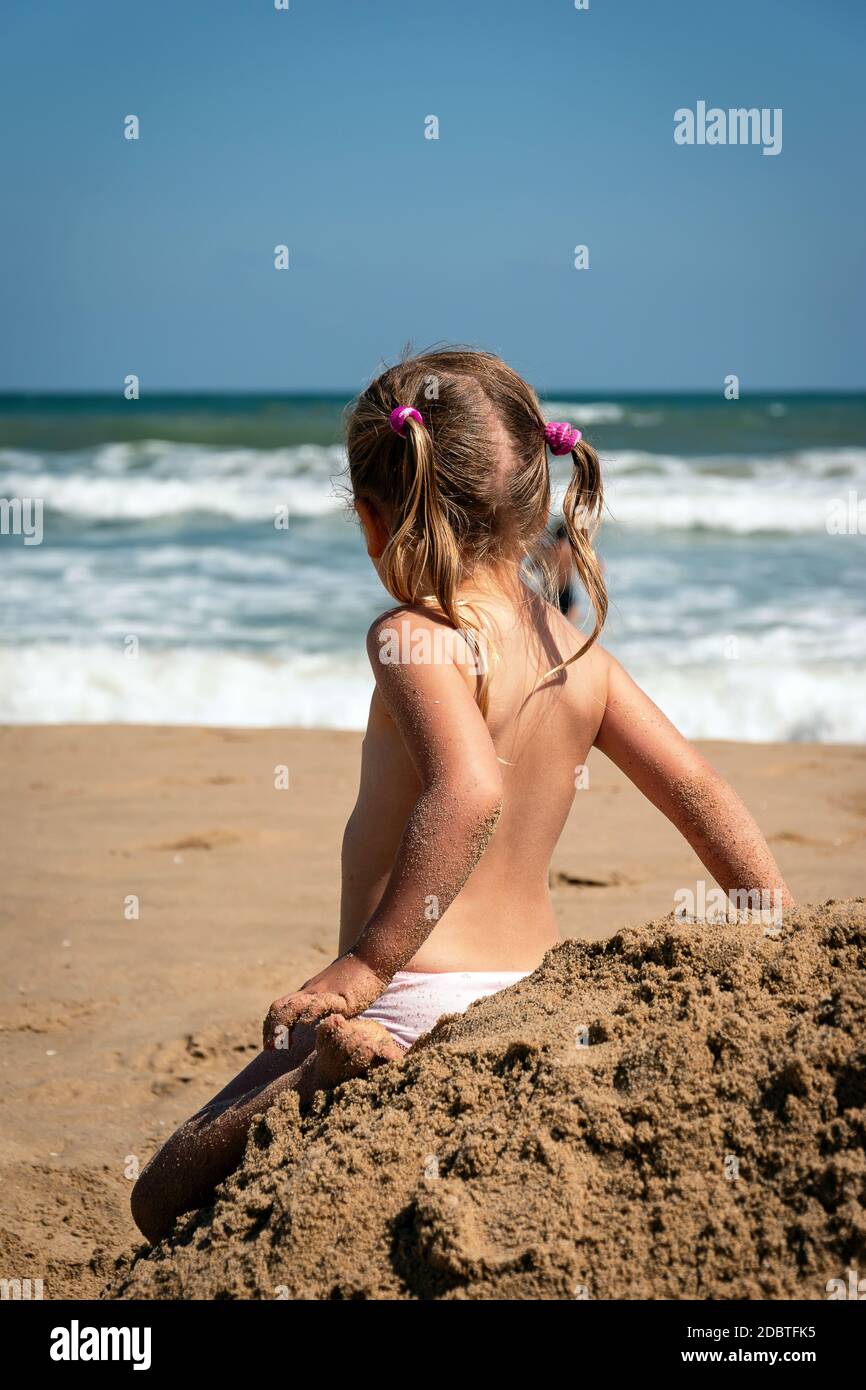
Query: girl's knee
{"points": [[148, 1212], [152, 1196]]}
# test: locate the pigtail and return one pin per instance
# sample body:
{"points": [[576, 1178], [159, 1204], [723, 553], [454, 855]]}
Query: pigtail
{"points": [[422, 558], [581, 512]]}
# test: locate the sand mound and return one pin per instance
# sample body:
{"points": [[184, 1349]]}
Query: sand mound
{"points": [[677, 1112]]}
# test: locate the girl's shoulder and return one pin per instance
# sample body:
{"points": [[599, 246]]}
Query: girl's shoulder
{"points": [[419, 635], [414, 616]]}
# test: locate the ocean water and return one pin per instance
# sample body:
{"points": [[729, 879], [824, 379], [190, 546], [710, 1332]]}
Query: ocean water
{"points": [[163, 593]]}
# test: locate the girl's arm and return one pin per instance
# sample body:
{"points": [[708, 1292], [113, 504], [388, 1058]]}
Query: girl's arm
{"points": [[446, 834], [636, 736]]}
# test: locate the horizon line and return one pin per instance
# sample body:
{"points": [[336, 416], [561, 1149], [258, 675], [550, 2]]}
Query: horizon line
{"points": [[582, 393]]}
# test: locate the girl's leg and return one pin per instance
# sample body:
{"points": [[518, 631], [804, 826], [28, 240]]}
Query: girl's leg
{"points": [[182, 1176]]}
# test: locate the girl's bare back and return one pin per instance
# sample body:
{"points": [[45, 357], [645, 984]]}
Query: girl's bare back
{"points": [[541, 732]]}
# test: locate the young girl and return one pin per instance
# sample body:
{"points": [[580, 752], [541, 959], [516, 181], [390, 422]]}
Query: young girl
{"points": [[486, 702]]}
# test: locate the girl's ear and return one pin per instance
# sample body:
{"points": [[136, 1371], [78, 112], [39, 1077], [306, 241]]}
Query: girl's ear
{"points": [[376, 532]]}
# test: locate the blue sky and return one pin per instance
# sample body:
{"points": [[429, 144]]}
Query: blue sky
{"points": [[306, 128]]}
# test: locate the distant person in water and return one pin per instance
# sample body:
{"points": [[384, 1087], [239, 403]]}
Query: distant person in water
{"points": [[563, 569]]}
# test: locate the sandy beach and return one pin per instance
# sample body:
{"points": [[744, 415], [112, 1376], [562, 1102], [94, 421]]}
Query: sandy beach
{"points": [[258, 412], [118, 1025]]}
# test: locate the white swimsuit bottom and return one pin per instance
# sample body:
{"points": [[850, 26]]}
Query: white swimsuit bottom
{"points": [[415, 999]]}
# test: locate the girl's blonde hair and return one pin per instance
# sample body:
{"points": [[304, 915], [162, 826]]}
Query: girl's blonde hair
{"points": [[470, 485]]}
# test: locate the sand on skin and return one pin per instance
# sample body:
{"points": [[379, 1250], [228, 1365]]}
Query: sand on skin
{"points": [[116, 1029]]}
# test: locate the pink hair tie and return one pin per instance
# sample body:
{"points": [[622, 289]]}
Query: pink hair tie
{"points": [[561, 437], [400, 414]]}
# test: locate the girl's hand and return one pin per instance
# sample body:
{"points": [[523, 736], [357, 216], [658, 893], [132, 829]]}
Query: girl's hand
{"points": [[347, 987]]}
